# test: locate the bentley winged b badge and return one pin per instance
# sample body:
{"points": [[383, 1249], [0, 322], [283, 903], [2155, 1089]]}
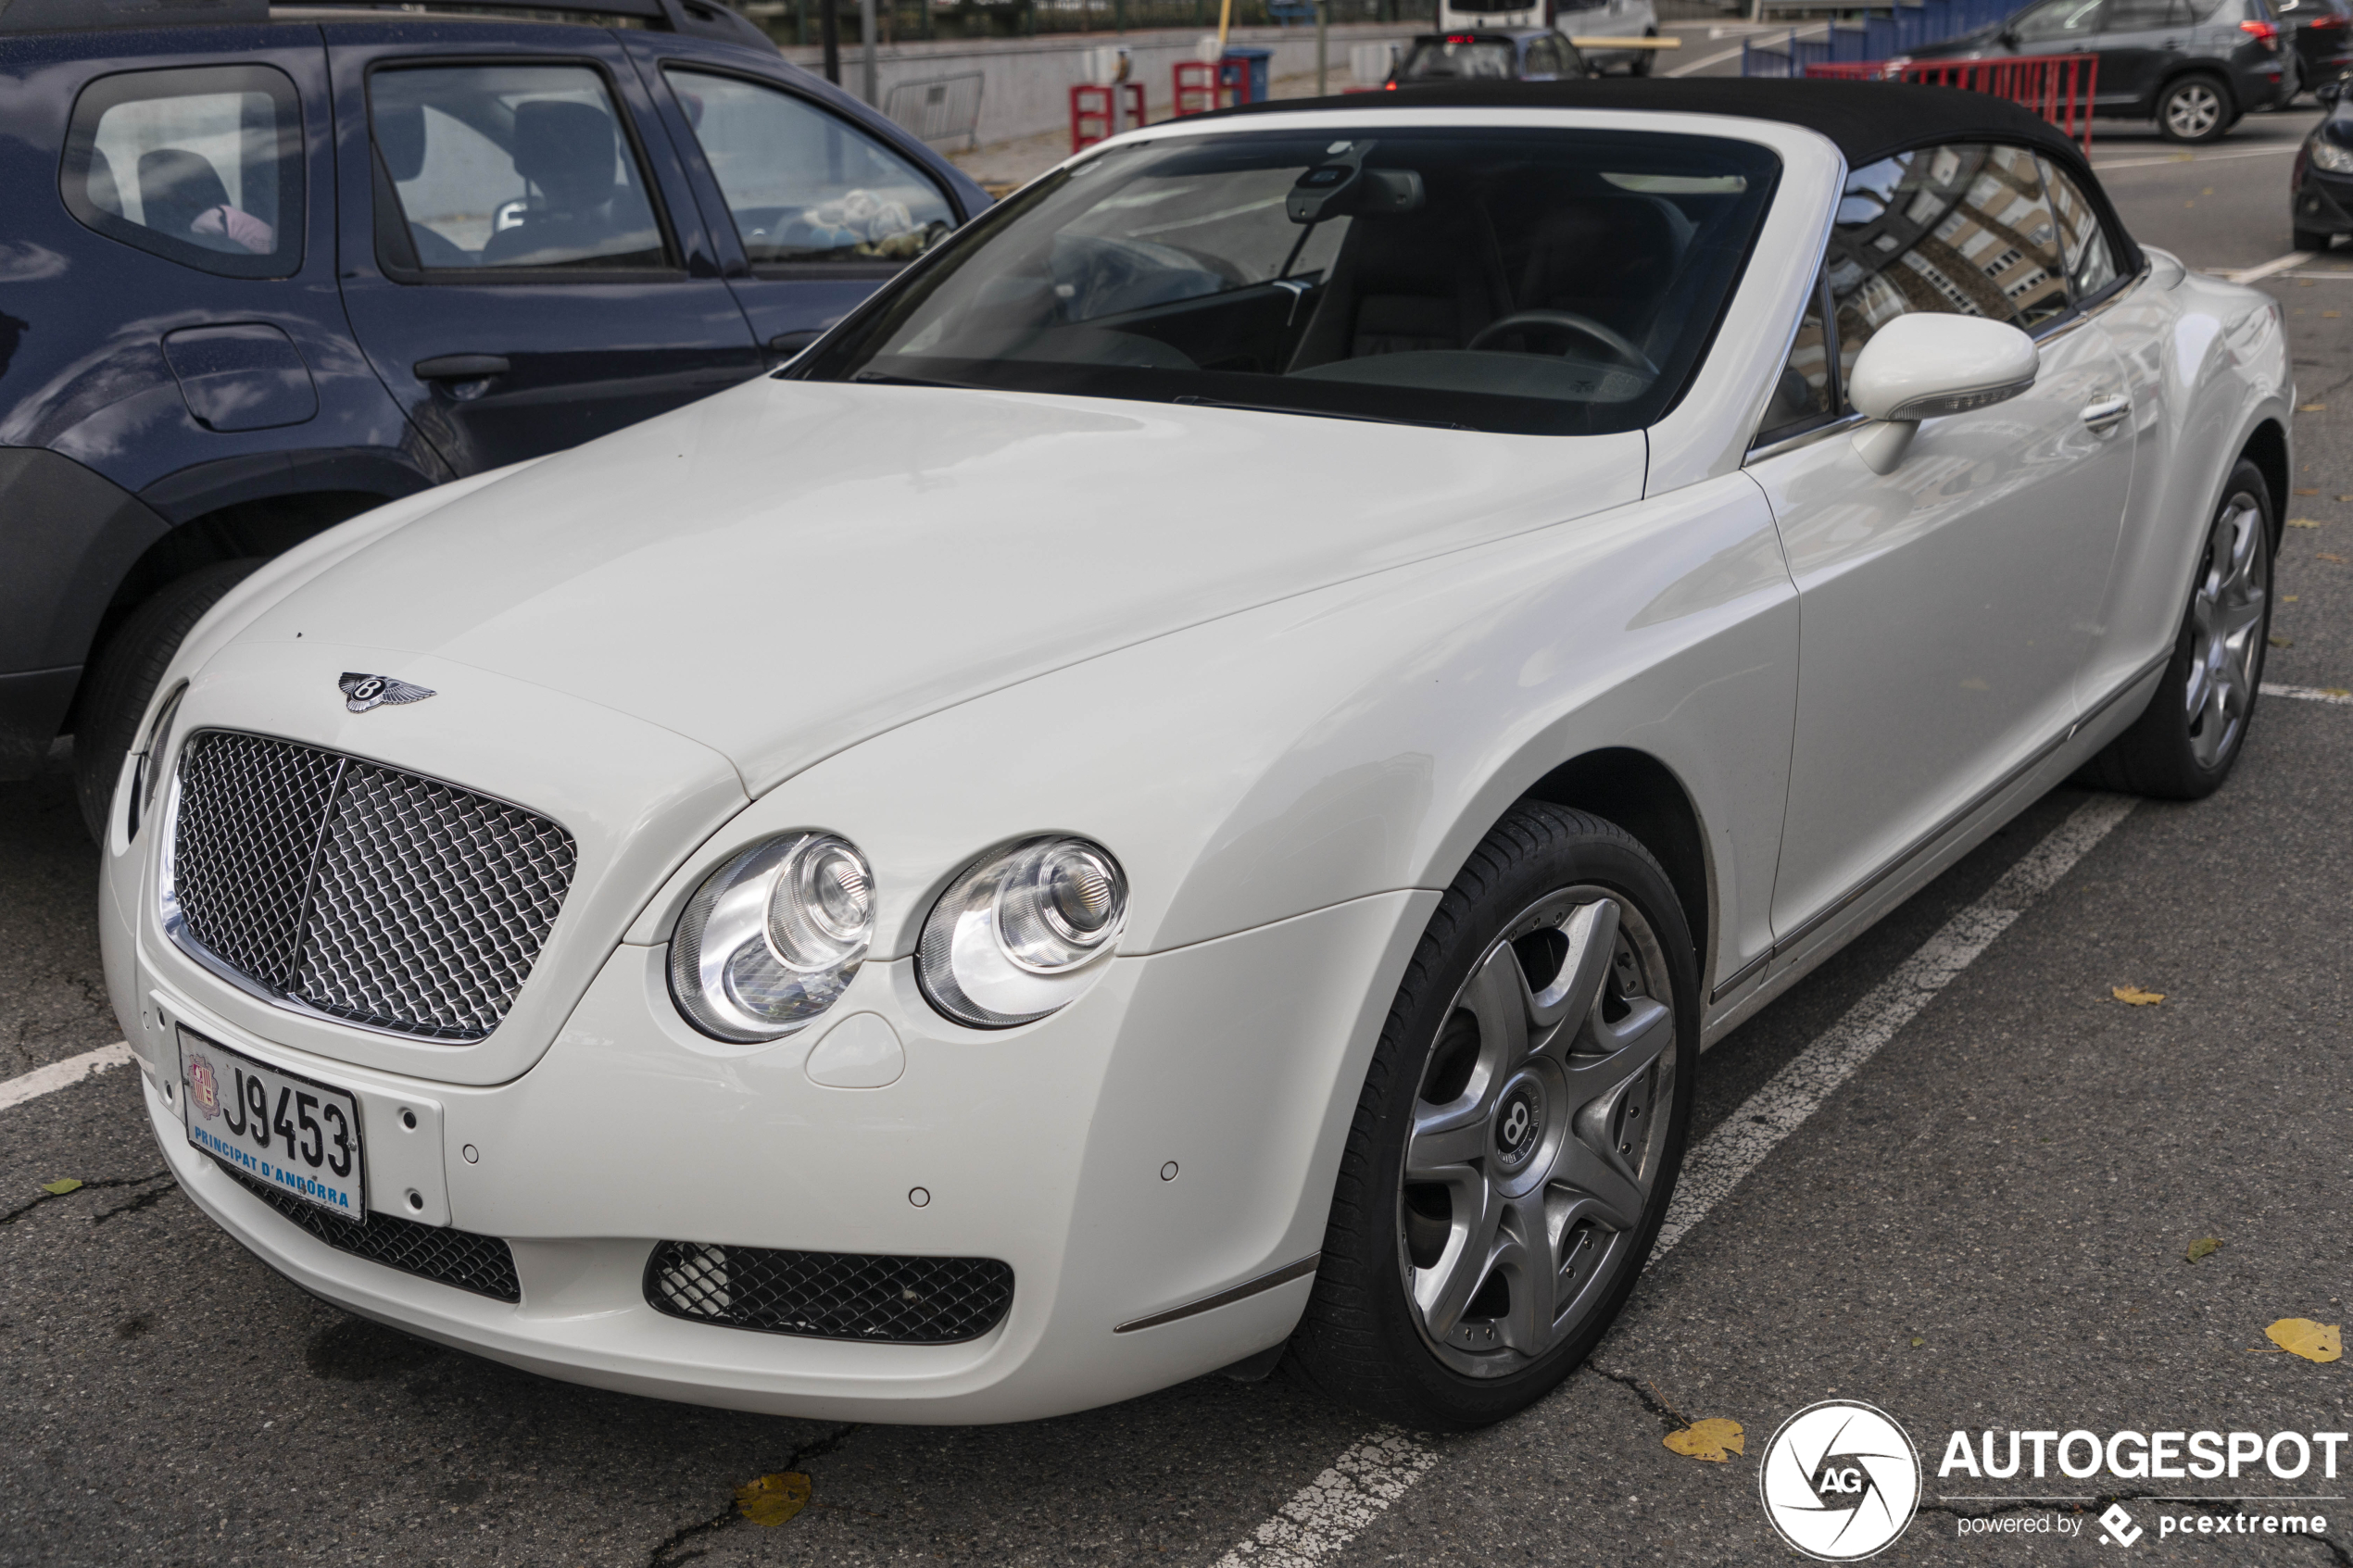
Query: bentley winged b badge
{"points": [[362, 692]]}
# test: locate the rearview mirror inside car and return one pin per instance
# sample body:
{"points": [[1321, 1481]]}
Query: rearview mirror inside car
{"points": [[1924, 366]]}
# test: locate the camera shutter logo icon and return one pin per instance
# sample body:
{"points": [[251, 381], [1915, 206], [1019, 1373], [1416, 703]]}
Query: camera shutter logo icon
{"points": [[1840, 1481]]}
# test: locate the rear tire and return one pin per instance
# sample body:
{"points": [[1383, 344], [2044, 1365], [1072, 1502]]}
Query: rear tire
{"points": [[1516, 1144], [116, 698], [2183, 746], [2195, 110]]}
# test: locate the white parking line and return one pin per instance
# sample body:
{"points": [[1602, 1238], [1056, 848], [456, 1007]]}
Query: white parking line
{"points": [[62, 1074], [1323, 1518], [2177, 159], [2310, 694], [2277, 264]]}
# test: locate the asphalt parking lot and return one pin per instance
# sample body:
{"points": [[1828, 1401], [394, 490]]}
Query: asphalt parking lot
{"points": [[1950, 1175]]}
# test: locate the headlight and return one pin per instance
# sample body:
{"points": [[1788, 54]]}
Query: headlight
{"points": [[2328, 155], [1023, 932], [772, 937], [147, 779]]}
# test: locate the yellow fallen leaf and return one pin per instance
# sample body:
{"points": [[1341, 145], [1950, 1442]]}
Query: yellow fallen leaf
{"points": [[2324, 555], [773, 1500], [2302, 1337], [2337, 690], [2135, 995], [2303, 522], [2304, 492], [2311, 407], [2204, 1246], [2331, 315], [61, 1186], [2346, 497], [1709, 1439], [2281, 642]]}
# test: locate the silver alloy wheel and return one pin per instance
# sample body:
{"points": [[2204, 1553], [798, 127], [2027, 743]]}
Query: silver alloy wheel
{"points": [[1539, 1133], [2192, 110], [2226, 626]]}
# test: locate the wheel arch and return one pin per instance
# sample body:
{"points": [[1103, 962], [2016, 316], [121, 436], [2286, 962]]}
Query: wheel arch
{"points": [[2266, 447], [1641, 794], [2219, 78]]}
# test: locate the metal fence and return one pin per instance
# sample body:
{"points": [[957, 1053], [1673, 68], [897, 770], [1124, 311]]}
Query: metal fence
{"points": [[942, 109], [1908, 25], [795, 23]]}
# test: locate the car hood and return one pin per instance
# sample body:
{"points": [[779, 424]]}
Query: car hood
{"points": [[791, 567]]}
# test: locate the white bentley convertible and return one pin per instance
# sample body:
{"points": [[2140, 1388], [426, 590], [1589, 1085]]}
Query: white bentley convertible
{"points": [[1189, 785]]}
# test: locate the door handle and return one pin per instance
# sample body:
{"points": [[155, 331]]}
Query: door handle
{"points": [[460, 367], [2104, 414]]}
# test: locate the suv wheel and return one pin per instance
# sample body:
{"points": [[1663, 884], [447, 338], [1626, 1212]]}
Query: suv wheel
{"points": [[126, 676], [1516, 1144], [2196, 108]]}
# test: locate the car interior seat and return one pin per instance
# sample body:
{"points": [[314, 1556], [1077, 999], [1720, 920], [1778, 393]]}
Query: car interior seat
{"points": [[1399, 285], [1612, 259], [400, 140], [176, 187], [567, 150]]}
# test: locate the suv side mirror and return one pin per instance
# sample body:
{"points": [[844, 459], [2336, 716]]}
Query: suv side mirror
{"points": [[1921, 366]]}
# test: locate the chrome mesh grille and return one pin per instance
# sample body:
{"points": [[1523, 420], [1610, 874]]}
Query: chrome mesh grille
{"points": [[483, 1264], [369, 894], [830, 1295]]}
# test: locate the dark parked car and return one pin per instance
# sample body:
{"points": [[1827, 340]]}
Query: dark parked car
{"points": [[267, 269], [2322, 31], [1519, 53], [2321, 189], [2192, 66]]}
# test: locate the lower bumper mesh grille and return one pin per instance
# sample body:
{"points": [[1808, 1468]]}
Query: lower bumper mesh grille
{"points": [[483, 1264], [830, 1295]]}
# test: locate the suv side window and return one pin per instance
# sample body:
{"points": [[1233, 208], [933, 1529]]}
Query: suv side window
{"points": [[1963, 227], [804, 185], [2060, 21], [1545, 58], [499, 166], [203, 167], [2091, 264]]}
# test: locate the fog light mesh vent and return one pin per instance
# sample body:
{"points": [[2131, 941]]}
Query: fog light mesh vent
{"points": [[830, 1295], [483, 1264]]}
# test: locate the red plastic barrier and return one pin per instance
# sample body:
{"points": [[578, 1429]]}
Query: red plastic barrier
{"points": [[1095, 112], [1202, 85], [2057, 87]]}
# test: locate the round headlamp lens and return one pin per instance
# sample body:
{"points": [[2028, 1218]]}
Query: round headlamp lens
{"points": [[1023, 932], [773, 937]]}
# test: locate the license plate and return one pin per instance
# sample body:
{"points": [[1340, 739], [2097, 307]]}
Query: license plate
{"points": [[292, 1132]]}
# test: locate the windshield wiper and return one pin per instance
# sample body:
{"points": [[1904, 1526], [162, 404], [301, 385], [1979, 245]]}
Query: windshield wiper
{"points": [[1316, 413]]}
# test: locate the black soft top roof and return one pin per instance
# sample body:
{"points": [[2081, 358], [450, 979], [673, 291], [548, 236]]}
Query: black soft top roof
{"points": [[1867, 121]]}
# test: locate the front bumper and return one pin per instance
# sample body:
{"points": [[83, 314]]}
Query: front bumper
{"points": [[1235, 1062], [2322, 202]]}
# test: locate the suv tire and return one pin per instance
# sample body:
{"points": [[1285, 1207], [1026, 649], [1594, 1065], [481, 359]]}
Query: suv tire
{"points": [[116, 698], [2194, 109]]}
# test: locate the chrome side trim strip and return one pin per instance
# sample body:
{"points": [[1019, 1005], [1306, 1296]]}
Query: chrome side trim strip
{"points": [[1938, 833], [1267, 1281]]}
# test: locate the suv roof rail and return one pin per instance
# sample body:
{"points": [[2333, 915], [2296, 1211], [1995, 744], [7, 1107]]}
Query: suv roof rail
{"points": [[707, 19], [61, 16]]}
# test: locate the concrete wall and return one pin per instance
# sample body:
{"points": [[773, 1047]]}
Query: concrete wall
{"points": [[1028, 81]]}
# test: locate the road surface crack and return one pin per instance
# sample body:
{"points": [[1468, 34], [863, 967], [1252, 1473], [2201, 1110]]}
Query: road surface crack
{"points": [[1647, 1393], [11, 1216], [666, 1553]]}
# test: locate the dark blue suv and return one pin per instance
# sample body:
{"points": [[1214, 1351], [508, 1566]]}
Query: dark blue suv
{"points": [[262, 268]]}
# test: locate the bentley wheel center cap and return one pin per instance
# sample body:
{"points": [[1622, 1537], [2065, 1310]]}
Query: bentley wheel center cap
{"points": [[1519, 1122]]}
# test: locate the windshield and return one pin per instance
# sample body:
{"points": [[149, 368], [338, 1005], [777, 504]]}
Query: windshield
{"points": [[1458, 60], [1532, 281]]}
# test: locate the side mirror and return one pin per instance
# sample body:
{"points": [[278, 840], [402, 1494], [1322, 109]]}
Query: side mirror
{"points": [[1921, 366]]}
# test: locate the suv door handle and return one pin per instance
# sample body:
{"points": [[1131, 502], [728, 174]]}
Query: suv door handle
{"points": [[460, 367], [2105, 413]]}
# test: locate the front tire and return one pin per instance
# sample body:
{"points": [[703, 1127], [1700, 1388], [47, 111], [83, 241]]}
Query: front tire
{"points": [[2183, 746], [1516, 1144], [126, 675], [2196, 110]]}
